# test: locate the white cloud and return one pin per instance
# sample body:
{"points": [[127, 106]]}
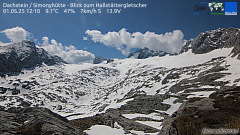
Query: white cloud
{"points": [[85, 38], [68, 53], [170, 42], [16, 34]]}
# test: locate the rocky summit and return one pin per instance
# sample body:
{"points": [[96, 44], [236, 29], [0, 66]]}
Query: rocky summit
{"points": [[214, 39], [169, 95], [98, 60], [146, 53], [17, 56]]}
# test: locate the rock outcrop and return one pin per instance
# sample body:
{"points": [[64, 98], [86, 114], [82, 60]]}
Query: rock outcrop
{"points": [[219, 111], [34, 120], [146, 53], [98, 60]]}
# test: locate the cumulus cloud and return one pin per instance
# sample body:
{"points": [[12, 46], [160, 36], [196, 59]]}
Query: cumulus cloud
{"points": [[68, 53], [124, 41], [16, 34]]}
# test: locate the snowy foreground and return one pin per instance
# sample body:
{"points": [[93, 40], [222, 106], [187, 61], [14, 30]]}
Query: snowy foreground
{"points": [[83, 90]]}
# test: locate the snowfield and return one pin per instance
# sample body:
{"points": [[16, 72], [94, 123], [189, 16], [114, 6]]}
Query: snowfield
{"points": [[83, 90]]}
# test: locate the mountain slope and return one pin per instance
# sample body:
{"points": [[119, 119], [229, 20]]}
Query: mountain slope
{"points": [[83, 90], [14, 57]]}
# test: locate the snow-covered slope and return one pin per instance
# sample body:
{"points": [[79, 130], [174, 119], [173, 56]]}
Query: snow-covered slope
{"points": [[86, 88]]}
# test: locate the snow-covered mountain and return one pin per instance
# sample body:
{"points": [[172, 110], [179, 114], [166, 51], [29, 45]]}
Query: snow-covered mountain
{"points": [[146, 53], [214, 39], [130, 95], [98, 60], [14, 57]]}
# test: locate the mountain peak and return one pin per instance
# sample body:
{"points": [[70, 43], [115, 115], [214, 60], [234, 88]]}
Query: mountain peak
{"points": [[29, 42], [98, 60], [146, 53], [214, 39], [16, 56]]}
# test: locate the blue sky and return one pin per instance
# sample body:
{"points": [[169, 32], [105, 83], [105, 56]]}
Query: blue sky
{"points": [[174, 17]]}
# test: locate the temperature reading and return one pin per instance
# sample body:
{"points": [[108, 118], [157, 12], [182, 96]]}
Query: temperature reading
{"points": [[50, 11], [113, 11]]}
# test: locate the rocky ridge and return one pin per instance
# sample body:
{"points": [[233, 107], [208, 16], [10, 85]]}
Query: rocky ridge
{"points": [[98, 60], [146, 53], [214, 39], [17, 56]]}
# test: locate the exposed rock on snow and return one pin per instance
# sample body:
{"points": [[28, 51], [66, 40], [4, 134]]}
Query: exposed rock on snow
{"points": [[36, 121]]}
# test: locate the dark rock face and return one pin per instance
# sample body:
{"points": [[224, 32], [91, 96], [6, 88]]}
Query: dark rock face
{"points": [[98, 60], [15, 57], [146, 53], [110, 60], [146, 104], [34, 120], [214, 39], [219, 111], [49, 59]]}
